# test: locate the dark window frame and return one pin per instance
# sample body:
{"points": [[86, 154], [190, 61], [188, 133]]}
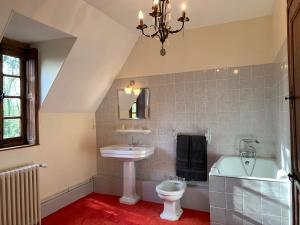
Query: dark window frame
{"points": [[23, 52]]}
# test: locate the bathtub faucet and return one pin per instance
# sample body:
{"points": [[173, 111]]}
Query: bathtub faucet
{"points": [[249, 150]]}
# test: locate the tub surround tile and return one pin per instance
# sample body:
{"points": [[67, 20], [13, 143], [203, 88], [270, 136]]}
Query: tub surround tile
{"points": [[271, 189], [234, 202], [252, 202], [271, 220], [216, 184], [271, 206], [217, 215], [234, 186], [251, 187], [285, 208], [217, 199], [285, 221], [252, 219], [234, 217]]}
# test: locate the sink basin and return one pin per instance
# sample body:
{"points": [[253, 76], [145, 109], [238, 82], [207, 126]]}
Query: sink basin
{"points": [[127, 152]]}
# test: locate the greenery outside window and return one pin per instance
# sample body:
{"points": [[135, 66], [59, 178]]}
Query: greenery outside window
{"points": [[18, 95]]}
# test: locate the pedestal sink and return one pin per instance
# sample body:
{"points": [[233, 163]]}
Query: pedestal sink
{"points": [[129, 154]]}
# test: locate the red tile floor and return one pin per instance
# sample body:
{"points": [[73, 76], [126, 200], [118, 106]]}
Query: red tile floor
{"points": [[98, 209]]}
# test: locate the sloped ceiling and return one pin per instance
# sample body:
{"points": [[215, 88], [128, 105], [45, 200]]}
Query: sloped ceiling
{"points": [[101, 48], [24, 29], [202, 12]]}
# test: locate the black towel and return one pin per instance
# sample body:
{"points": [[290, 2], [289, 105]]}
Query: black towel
{"points": [[191, 160]]}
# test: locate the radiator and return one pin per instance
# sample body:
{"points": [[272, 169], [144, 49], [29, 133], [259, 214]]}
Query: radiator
{"points": [[19, 196]]}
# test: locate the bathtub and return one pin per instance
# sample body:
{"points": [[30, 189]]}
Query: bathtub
{"points": [[236, 198]]}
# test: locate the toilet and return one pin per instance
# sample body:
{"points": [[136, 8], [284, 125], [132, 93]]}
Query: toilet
{"points": [[171, 191]]}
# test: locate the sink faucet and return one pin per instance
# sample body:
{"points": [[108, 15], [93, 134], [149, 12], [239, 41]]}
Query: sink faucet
{"points": [[133, 142]]}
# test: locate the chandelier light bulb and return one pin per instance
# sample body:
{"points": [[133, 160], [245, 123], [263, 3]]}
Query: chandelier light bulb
{"points": [[141, 15]]}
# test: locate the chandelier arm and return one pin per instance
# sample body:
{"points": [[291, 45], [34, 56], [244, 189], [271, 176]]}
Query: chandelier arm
{"points": [[146, 35], [155, 34], [178, 30], [149, 35]]}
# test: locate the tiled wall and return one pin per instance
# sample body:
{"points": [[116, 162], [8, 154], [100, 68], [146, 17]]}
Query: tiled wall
{"points": [[237, 201], [231, 105]]}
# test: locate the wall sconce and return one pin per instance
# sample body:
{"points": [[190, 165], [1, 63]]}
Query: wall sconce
{"points": [[130, 88], [136, 91]]}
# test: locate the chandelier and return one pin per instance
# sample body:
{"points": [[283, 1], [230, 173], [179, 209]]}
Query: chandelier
{"points": [[162, 16]]}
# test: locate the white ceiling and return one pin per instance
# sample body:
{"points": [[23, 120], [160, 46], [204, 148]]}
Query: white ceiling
{"points": [[201, 12], [24, 29]]}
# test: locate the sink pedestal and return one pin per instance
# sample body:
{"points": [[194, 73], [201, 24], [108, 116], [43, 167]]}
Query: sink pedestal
{"points": [[129, 189], [129, 154]]}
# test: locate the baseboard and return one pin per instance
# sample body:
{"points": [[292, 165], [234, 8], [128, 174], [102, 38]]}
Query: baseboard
{"points": [[195, 197], [65, 198]]}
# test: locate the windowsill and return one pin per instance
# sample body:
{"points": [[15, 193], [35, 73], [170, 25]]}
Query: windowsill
{"points": [[18, 147]]}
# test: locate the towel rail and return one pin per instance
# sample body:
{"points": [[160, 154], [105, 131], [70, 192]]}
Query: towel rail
{"points": [[207, 134]]}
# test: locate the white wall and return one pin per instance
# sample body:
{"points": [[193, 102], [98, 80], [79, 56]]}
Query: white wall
{"points": [[232, 44], [67, 145], [52, 55], [279, 23], [97, 56]]}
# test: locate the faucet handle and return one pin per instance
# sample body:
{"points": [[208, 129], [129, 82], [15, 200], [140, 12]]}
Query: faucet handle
{"points": [[250, 140]]}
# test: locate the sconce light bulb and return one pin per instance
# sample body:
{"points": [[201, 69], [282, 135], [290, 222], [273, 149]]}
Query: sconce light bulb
{"points": [[183, 6], [141, 15], [136, 91], [128, 90], [155, 2]]}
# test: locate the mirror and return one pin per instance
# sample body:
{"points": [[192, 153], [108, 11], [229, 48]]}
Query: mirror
{"points": [[135, 104]]}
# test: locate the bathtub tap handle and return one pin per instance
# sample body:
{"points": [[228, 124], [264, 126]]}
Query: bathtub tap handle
{"points": [[288, 98], [293, 178]]}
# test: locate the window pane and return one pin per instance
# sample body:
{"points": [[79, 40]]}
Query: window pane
{"points": [[11, 65], [11, 128], [11, 86], [11, 107]]}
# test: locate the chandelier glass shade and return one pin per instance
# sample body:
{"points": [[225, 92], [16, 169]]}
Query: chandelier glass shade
{"points": [[162, 28]]}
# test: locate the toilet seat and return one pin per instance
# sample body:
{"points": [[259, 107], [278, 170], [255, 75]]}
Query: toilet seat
{"points": [[171, 187]]}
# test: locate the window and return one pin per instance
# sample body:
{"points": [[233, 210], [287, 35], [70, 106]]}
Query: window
{"points": [[133, 111], [18, 95]]}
